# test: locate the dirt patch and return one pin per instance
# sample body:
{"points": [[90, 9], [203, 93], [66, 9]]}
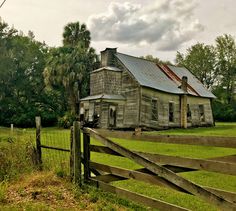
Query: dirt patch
{"points": [[44, 188], [46, 191]]}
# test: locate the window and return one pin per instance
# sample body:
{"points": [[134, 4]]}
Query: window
{"points": [[189, 114], [171, 112], [154, 110], [201, 113]]}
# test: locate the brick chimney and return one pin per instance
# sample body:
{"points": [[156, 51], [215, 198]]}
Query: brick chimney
{"points": [[184, 83], [107, 57], [183, 102]]}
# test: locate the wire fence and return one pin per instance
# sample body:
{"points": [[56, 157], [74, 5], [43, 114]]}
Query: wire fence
{"points": [[56, 160], [53, 159]]}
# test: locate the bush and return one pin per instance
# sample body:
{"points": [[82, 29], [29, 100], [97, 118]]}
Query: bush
{"points": [[67, 120], [224, 112], [15, 158]]}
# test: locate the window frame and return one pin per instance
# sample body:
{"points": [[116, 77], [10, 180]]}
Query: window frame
{"points": [[201, 112], [154, 109], [189, 113], [171, 113]]}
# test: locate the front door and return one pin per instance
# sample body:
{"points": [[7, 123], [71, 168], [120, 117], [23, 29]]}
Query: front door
{"points": [[112, 115]]}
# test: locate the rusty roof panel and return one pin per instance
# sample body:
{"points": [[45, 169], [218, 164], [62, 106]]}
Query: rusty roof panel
{"points": [[192, 81]]}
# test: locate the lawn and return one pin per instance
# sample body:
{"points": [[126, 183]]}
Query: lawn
{"points": [[221, 129], [61, 138]]}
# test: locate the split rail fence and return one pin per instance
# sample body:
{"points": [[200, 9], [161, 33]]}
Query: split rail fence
{"points": [[157, 169]]}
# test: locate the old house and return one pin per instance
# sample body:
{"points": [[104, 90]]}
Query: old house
{"points": [[130, 92]]}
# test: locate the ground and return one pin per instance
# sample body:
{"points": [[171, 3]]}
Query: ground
{"points": [[46, 191], [24, 192]]}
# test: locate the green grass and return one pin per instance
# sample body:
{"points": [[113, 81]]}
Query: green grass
{"points": [[221, 129], [164, 194], [59, 160]]}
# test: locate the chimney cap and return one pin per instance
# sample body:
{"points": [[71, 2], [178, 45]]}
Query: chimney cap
{"points": [[184, 77]]}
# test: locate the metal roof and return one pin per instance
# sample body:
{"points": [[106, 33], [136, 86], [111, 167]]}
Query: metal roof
{"points": [[192, 81], [104, 96], [148, 74]]}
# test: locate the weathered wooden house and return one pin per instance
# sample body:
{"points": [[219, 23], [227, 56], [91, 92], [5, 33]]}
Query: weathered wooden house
{"points": [[130, 92]]}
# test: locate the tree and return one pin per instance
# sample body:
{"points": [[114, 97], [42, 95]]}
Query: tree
{"points": [[22, 88], [226, 65], [200, 59], [68, 67], [75, 34], [155, 59]]}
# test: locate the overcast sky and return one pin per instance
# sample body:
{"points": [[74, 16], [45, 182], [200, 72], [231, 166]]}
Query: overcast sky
{"points": [[136, 27]]}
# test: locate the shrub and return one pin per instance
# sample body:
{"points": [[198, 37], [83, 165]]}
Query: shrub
{"points": [[67, 120], [224, 112], [15, 158]]}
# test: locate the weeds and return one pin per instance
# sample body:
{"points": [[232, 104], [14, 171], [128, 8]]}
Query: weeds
{"points": [[3, 189], [16, 157]]}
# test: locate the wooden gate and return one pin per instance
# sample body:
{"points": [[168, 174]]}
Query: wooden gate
{"points": [[158, 170]]}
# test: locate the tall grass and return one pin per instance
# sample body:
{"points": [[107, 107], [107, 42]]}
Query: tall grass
{"points": [[16, 156]]}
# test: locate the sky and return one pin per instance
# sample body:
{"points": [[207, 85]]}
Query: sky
{"points": [[136, 27]]}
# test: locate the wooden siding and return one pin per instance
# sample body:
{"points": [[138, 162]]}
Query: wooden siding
{"points": [[105, 82], [163, 100], [104, 115], [120, 115], [97, 83], [130, 90], [194, 103], [112, 83]]}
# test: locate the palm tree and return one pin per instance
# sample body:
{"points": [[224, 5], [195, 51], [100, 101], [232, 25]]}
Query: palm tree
{"points": [[75, 34], [68, 68]]}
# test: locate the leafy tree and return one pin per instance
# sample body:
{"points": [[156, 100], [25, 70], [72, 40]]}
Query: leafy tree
{"points": [[68, 67], [75, 34], [22, 93], [155, 59], [226, 65], [200, 59]]}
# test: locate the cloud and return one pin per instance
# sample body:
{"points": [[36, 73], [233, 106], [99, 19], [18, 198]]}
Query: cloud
{"points": [[164, 24]]}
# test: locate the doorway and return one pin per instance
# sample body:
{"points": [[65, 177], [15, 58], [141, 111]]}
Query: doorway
{"points": [[112, 116]]}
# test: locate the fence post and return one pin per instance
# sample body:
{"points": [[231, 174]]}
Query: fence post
{"points": [[86, 146], [71, 153], [77, 152], [38, 141], [12, 130]]}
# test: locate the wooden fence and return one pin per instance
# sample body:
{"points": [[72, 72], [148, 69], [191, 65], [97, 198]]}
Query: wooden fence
{"points": [[157, 169]]}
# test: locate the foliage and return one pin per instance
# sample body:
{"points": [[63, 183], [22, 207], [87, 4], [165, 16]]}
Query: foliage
{"points": [[200, 59], [22, 90], [226, 65], [155, 59], [215, 67], [68, 67], [67, 120], [224, 112], [15, 158]]}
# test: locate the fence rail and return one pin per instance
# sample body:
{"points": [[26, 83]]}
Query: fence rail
{"points": [[160, 170], [214, 141]]}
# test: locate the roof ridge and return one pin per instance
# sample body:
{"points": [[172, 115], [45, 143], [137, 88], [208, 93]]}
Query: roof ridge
{"points": [[137, 57]]}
